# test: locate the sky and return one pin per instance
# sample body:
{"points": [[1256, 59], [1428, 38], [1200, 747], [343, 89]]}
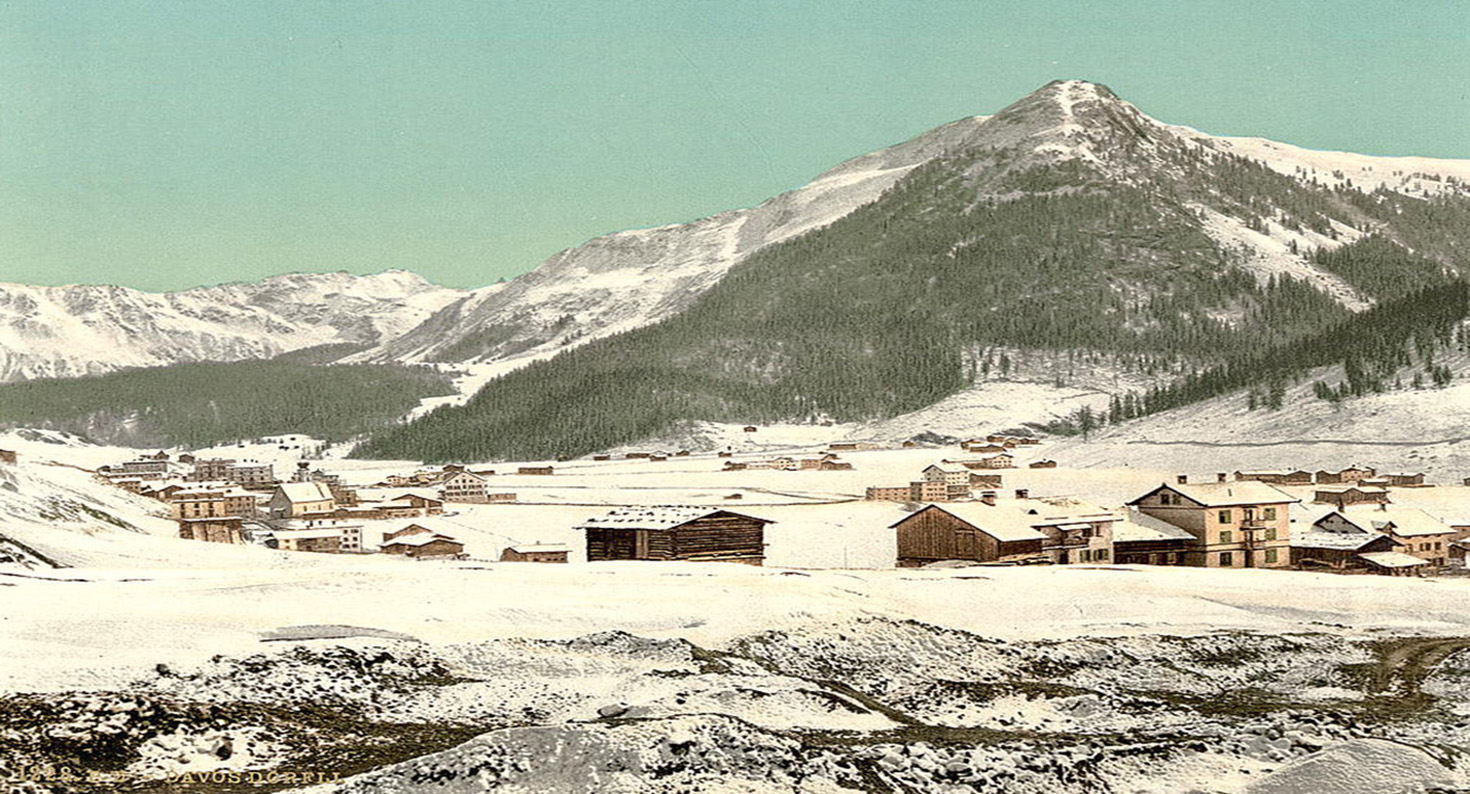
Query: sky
{"points": [[163, 145]]}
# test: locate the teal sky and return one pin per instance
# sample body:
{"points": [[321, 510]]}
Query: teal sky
{"points": [[169, 144]]}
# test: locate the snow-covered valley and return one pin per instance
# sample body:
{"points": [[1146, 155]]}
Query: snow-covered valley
{"points": [[157, 664]]}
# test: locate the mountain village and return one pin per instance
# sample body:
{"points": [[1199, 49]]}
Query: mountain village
{"points": [[1054, 450], [956, 511]]}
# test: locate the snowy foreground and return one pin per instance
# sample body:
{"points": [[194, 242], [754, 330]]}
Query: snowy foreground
{"points": [[153, 664]]}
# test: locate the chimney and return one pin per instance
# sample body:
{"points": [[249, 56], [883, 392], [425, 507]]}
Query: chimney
{"points": [[1219, 476], [1022, 493], [1183, 479], [988, 497]]}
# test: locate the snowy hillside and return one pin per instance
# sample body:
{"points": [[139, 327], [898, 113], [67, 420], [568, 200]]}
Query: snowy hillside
{"points": [[633, 278], [630, 279], [1407, 429], [83, 329]]}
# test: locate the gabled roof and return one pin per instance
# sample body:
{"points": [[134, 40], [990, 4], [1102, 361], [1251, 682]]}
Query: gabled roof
{"points": [[420, 539], [1226, 494], [1342, 541], [657, 517], [305, 491], [947, 468], [1139, 526], [1392, 559], [526, 548], [1002, 522], [1395, 519]]}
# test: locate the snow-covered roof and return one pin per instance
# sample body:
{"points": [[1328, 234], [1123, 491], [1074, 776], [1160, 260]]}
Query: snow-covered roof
{"points": [[1138, 526], [527, 548], [1373, 489], [1343, 541], [422, 493], [655, 517], [1231, 494], [308, 534], [1401, 521], [305, 491], [948, 468], [1392, 559], [1003, 522], [422, 539]]}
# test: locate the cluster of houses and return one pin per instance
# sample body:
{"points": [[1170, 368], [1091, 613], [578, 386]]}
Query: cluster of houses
{"points": [[220, 500], [946, 481], [1241, 524], [825, 462], [456, 483], [955, 515]]}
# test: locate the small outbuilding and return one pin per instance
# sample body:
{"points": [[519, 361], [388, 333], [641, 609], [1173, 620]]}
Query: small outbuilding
{"points": [[535, 552], [695, 534]]}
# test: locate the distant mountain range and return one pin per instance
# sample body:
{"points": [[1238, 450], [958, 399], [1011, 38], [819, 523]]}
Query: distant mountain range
{"points": [[59, 332], [1068, 221]]}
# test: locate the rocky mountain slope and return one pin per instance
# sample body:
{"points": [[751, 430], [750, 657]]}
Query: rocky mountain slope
{"points": [[77, 330]]}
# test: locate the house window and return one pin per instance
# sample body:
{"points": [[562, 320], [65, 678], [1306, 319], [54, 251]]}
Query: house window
{"points": [[1271, 534], [1270, 556], [1226, 559], [1100, 555], [1268, 514], [1226, 536], [1224, 517]]}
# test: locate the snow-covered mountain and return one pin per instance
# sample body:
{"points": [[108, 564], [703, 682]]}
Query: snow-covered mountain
{"points": [[633, 278], [85, 329], [1066, 221], [630, 279]]}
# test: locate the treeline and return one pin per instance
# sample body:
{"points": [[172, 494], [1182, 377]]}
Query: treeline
{"points": [[195, 405], [1371, 347]]}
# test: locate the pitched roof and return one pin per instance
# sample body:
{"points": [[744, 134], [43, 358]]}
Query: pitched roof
{"points": [[1227, 494], [1346, 488], [422, 539], [1392, 559], [656, 517], [305, 491], [1401, 521], [524, 548], [1138, 526], [1342, 541], [1002, 522]]}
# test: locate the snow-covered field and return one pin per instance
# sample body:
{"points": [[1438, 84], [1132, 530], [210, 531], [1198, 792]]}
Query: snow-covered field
{"points": [[149, 657]]}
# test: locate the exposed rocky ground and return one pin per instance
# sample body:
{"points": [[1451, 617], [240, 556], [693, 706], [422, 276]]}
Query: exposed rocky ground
{"points": [[871, 705]]}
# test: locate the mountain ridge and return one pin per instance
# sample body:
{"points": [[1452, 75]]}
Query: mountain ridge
{"points": [[1069, 220]]}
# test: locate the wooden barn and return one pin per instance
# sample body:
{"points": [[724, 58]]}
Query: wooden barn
{"points": [[965, 531], [7, 456], [1341, 496], [535, 552], [542, 471], [1404, 479], [421, 543], [693, 534], [1317, 549]]}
